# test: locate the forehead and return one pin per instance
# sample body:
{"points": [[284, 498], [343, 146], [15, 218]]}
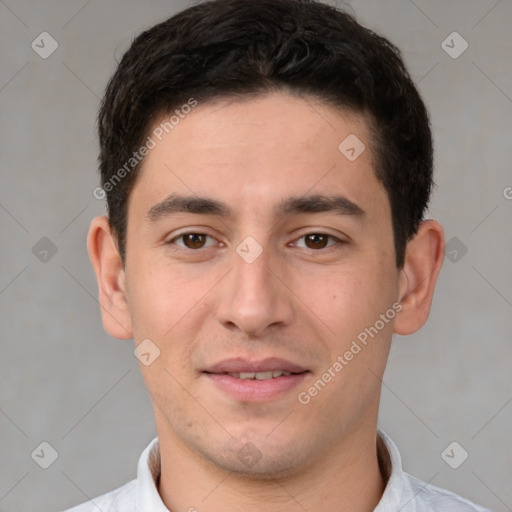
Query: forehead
{"points": [[255, 152]]}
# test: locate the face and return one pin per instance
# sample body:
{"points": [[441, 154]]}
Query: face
{"points": [[256, 247]]}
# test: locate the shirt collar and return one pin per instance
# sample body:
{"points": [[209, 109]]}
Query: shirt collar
{"points": [[148, 475], [390, 462]]}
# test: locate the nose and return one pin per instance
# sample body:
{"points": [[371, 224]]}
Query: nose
{"points": [[253, 298]]}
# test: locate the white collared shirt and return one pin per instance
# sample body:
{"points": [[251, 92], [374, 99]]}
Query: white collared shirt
{"points": [[403, 492]]}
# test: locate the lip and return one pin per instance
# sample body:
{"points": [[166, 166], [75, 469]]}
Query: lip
{"points": [[255, 390], [250, 390], [239, 364]]}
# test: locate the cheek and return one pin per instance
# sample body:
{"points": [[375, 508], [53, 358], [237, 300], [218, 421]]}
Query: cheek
{"points": [[169, 310], [155, 300], [351, 299]]}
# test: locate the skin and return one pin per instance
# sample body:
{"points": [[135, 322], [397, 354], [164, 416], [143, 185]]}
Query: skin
{"points": [[299, 301]]}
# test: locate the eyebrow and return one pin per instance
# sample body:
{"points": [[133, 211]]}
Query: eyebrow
{"points": [[175, 203]]}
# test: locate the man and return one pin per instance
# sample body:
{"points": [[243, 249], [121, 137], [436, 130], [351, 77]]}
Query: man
{"points": [[267, 166]]}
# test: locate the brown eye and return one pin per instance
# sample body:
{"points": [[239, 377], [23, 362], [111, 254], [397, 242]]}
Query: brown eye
{"points": [[316, 241], [192, 241]]}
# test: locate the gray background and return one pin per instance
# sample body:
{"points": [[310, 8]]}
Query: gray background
{"points": [[66, 382]]}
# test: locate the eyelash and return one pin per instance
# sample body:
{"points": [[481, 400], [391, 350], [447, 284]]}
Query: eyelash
{"points": [[187, 249]]}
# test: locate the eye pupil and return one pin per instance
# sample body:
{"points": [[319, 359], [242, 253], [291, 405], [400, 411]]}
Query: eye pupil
{"points": [[194, 240], [318, 241]]}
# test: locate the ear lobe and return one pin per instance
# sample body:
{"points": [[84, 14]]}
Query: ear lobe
{"points": [[423, 261], [110, 275]]}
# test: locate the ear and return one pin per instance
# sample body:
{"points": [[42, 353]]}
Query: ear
{"points": [[423, 261], [109, 271]]}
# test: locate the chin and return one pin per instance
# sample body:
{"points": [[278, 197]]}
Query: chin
{"points": [[265, 469], [259, 460]]}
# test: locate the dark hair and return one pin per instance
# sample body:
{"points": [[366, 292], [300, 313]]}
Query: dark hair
{"points": [[235, 48]]}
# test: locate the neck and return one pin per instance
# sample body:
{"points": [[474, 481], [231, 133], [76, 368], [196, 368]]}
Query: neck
{"points": [[347, 478]]}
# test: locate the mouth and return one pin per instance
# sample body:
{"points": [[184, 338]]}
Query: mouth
{"points": [[259, 375], [255, 381], [245, 366]]}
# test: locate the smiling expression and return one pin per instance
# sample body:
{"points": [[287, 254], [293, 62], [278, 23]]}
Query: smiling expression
{"points": [[255, 247]]}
